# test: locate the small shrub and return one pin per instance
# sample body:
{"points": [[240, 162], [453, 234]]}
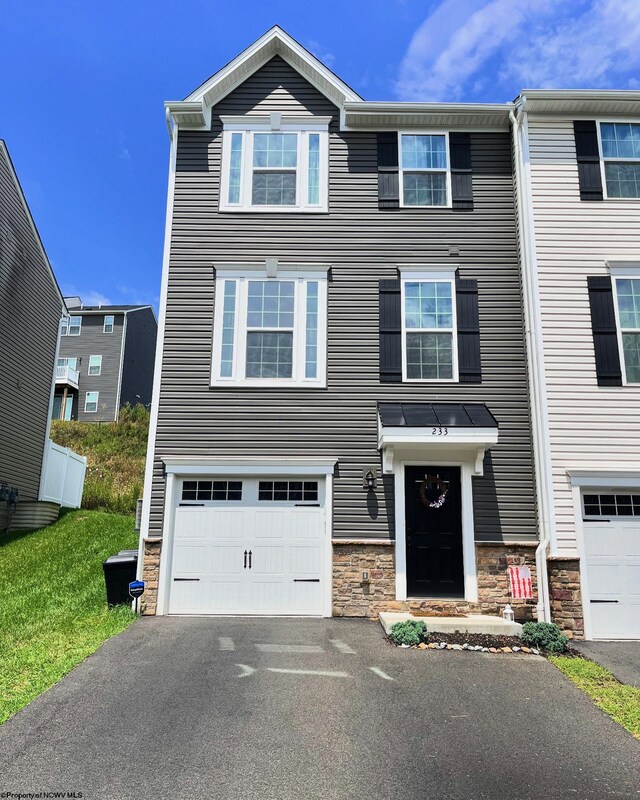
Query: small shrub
{"points": [[544, 636], [412, 631]]}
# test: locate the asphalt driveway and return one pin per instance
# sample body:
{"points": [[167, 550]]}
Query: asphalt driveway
{"points": [[620, 658], [281, 710]]}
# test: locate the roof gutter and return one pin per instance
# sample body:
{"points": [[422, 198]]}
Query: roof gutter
{"points": [[535, 355]]}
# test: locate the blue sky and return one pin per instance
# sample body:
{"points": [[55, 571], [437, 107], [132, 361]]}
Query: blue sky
{"points": [[84, 82]]}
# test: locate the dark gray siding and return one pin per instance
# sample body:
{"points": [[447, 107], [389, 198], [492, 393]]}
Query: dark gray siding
{"points": [[30, 311], [139, 357], [94, 342], [362, 245]]}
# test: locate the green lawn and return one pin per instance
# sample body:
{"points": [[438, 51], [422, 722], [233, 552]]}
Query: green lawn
{"points": [[620, 702], [53, 611]]}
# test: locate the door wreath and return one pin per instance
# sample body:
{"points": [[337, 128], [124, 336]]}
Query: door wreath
{"points": [[433, 491]]}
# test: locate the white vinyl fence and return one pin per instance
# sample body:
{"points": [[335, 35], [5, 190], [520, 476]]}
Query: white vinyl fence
{"points": [[64, 476]]}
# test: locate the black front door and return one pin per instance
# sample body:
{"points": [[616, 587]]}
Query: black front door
{"points": [[433, 508]]}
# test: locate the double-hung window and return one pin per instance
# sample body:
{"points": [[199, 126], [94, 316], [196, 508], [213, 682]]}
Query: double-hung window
{"points": [[95, 365], [429, 341], [107, 326], [270, 331], [627, 296], [71, 363], [274, 163], [91, 402], [425, 174], [620, 151], [71, 326]]}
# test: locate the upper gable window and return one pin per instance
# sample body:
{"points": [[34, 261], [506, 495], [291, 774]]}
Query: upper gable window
{"points": [[274, 164], [425, 177], [620, 150]]}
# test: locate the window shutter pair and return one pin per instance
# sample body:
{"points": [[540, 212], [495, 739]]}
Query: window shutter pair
{"points": [[605, 334], [588, 155], [469, 369], [459, 161]]}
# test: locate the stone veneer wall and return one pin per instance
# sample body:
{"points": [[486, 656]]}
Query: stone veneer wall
{"points": [[565, 595], [352, 598], [150, 570]]}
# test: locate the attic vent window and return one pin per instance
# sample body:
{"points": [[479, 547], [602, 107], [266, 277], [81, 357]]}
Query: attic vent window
{"points": [[274, 170]]}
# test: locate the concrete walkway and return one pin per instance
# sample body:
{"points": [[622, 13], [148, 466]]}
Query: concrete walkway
{"points": [[277, 709], [621, 658]]}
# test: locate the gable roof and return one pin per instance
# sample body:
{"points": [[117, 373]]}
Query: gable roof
{"points": [[195, 109], [4, 152]]}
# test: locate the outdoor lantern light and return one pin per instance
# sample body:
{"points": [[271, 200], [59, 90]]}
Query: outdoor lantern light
{"points": [[507, 614], [369, 479]]}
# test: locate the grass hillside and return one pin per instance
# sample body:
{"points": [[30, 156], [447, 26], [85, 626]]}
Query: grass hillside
{"points": [[53, 608], [115, 454]]}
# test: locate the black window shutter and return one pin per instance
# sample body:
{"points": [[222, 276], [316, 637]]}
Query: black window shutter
{"points": [[605, 334], [461, 181], [589, 176], [390, 325], [388, 180], [469, 368]]}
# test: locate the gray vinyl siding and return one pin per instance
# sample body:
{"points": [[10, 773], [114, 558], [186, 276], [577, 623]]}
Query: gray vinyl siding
{"points": [[92, 341], [30, 311], [139, 357], [362, 245]]}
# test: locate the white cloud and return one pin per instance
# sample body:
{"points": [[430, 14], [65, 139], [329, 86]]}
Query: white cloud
{"points": [[92, 298], [321, 53], [465, 45]]}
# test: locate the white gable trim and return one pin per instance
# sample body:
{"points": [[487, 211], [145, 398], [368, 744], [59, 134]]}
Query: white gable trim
{"points": [[195, 109]]}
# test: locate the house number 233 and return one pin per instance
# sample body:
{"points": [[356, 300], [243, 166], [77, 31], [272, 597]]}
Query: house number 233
{"points": [[439, 431]]}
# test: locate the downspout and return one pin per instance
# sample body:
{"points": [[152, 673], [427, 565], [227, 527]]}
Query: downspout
{"points": [[535, 358]]}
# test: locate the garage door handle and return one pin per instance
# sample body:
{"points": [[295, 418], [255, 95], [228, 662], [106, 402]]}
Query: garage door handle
{"points": [[306, 580], [604, 601], [186, 579]]}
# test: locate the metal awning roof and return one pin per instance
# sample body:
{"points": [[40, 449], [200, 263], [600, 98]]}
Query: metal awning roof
{"points": [[424, 415]]}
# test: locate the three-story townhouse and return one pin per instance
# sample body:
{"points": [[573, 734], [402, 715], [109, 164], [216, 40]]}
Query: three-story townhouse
{"points": [[106, 360], [340, 420], [578, 162]]}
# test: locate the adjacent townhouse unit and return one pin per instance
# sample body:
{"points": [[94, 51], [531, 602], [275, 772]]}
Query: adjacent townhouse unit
{"points": [[578, 158], [106, 359], [36, 476], [340, 418]]}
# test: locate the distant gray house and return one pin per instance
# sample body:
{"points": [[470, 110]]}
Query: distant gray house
{"points": [[31, 306], [106, 359], [340, 421]]}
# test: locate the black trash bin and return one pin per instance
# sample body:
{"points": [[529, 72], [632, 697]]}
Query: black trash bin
{"points": [[119, 571]]}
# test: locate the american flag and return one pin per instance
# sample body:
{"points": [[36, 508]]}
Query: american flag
{"points": [[520, 580]]}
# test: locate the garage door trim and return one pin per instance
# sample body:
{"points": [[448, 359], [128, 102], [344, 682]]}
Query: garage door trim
{"points": [[178, 468]]}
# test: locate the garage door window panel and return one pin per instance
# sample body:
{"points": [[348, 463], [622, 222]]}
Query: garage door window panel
{"points": [[288, 491], [611, 505], [211, 491]]}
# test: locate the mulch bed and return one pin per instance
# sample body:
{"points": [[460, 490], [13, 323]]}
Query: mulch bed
{"points": [[484, 640]]}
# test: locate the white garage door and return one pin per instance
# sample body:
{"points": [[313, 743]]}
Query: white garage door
{"points": [[248, 546], [612, 548]]}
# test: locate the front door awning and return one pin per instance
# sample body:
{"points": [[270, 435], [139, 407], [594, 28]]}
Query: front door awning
{"points": [[446, 431]]}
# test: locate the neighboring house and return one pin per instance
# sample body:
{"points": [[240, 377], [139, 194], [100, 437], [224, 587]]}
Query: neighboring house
{"points": [[579, 160], [31, 307], [106, 360], [340, 421]]}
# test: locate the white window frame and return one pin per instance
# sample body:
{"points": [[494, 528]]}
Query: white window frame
{"points": [[104, 324], [608, 160], [440, 274], [242, 278], [65, 329], [87, 401], [99, 372], [401, 170], [631, 273], [275, 123]]}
